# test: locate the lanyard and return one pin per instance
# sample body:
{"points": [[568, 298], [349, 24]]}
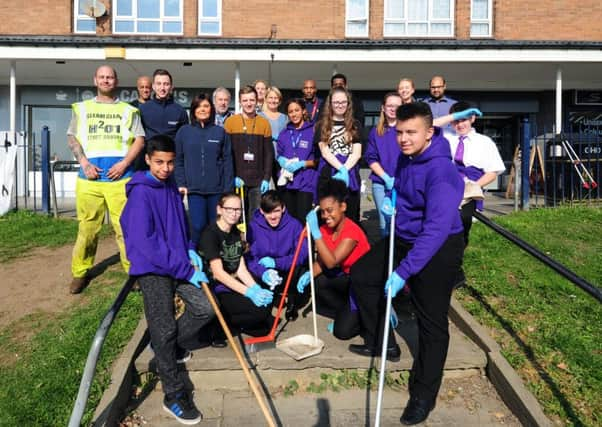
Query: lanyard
{"points": [[295, 141], [314, 109], [244, 125]]}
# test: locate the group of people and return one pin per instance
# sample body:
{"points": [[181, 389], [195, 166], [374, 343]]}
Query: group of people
{"points": [[140, 161]]}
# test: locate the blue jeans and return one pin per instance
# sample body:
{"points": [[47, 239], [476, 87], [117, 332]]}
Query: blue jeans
{"points": [[378, 194], [202, 210]]}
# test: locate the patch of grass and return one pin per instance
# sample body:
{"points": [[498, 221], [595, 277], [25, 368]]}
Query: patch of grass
{"points": [[23, 230], [548, 328], [38, 388]]}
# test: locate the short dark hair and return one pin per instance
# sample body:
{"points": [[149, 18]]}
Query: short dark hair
{"points": [[415, 109], [160, 143], [162, 72], [247, 89], [459, 106], [334, 188], [299, 101], [271, 200], [338, 76], [196, 101]]}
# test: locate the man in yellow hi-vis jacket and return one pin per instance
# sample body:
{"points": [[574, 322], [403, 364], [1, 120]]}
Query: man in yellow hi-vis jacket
{"points": [[105, 135]]}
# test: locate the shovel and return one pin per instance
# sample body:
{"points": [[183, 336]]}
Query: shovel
{"points": [[302, 346]]}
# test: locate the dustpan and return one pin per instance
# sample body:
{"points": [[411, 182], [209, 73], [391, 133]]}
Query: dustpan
{"points": [[303, 346]]}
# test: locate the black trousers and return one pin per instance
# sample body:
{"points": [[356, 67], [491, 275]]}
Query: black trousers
{"points": [[243, 316], [430, 293], [167, 333], [466, 215], [298, 203], [332, 300]]}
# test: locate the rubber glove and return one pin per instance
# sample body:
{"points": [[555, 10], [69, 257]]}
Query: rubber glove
{"points": [[271, 278], [395, 283], [198, 277], [330, 327], [238, 182], [260, 297], [267, 262], [265, 186], [282, 161], [195, 259], [394, 319], [303, 282], [387, 207], [466, 114], [293, 167], [342, 175], [314, 228], [389, 181]]}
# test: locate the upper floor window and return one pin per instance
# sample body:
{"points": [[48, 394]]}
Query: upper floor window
{"points": [[210, 17], [481, 17], [147, 17], [356, 18], [419, 18], [82, 22]]}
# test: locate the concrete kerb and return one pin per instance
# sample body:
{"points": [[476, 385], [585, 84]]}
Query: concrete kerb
{"points": [[115, 399], [504, 378]]}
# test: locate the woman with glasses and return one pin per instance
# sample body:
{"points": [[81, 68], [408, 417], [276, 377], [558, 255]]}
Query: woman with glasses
{"points": [[382, 153], [245, 304], [338, 146]]}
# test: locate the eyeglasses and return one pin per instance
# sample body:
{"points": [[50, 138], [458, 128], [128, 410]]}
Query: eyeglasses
{"points": [[340, 103], [230, 210]]}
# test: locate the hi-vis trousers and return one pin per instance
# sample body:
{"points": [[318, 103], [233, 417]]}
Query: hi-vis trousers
{"points": [[93, 198]]}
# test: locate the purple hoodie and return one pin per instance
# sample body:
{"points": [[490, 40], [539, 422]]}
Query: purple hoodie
{"points": [[279, 243], [429, 191], [384, 150], [299, 143], [155, 228]]}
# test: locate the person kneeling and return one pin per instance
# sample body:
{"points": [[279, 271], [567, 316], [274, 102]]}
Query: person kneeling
{"points": [[339, 243], [156, 239]]}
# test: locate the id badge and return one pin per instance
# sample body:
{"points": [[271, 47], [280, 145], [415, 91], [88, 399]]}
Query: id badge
{"points": [[248, 157]]}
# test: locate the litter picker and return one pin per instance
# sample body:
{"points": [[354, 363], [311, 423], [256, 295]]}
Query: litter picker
{"points": [[383, 356], [234, 345], [242, 227], [587, 181], [302, 346]]}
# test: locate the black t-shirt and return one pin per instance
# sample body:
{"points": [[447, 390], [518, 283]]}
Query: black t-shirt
{"points": [[216, 243]]}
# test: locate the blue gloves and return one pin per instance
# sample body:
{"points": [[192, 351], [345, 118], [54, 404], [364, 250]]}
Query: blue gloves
{"points": [[342, 175], [466, 114], [267, 262], [260, 297], [387, 207], [395, 283], [303, 282], [282, 161], [293, 167], [198, 277], [389, 181], [314, 228], [238, 182], [195, 259], [271, 278], [265, 186]]}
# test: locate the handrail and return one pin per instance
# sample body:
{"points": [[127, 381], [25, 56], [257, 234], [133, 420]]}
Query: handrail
{"points": [[553, 264], [94, 353], [53, 165]]}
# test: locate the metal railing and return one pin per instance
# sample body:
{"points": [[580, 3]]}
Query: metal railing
{"points": [[94, 353]]}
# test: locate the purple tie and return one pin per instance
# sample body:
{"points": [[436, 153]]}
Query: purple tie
{"points": [[459, 156]]}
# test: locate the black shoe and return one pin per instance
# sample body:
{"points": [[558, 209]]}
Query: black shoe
{"points": [[416, 411], [291, 314], [393, 352], [219, 343], [181, 406]]}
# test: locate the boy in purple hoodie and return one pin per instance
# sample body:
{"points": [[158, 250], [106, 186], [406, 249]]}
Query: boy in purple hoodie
{"points": [[156, 240], [427, 254], [272, 236]]}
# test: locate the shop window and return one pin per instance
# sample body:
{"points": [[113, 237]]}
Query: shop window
{"points": [[148, 17], [481, 17], [210, 17], [82, 23], [356, 18], [419, 18]]}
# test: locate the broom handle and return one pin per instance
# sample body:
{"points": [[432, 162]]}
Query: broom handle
{"points": [[311, 284], [252, 382]]}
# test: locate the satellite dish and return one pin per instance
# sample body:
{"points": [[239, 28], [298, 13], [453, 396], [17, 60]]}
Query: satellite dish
{"points": [[93, 8]]}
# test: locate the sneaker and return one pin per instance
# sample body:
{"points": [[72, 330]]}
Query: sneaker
{"points": [[78, 284], [182, 408], [183, 355]]}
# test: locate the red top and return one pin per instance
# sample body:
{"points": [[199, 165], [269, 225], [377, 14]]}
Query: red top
{"points": [[350, 230]]}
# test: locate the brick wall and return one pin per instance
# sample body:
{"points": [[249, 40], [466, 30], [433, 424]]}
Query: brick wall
{"points": [[36, 17]]}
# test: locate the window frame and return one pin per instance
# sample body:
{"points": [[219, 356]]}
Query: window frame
{"points": [[430, 20], [366, 18], [77, 17], [202, 19], [488, 21], [161, 20]]}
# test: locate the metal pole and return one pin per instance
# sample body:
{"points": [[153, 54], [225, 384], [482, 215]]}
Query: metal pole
{"points": [[236, 87], [13, 97], [525, 155], [558, 101], [45, 170]]}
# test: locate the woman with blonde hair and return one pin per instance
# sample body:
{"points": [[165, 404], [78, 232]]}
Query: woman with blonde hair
{"points": [[260, 87], [272, 101], [406, 89]]}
